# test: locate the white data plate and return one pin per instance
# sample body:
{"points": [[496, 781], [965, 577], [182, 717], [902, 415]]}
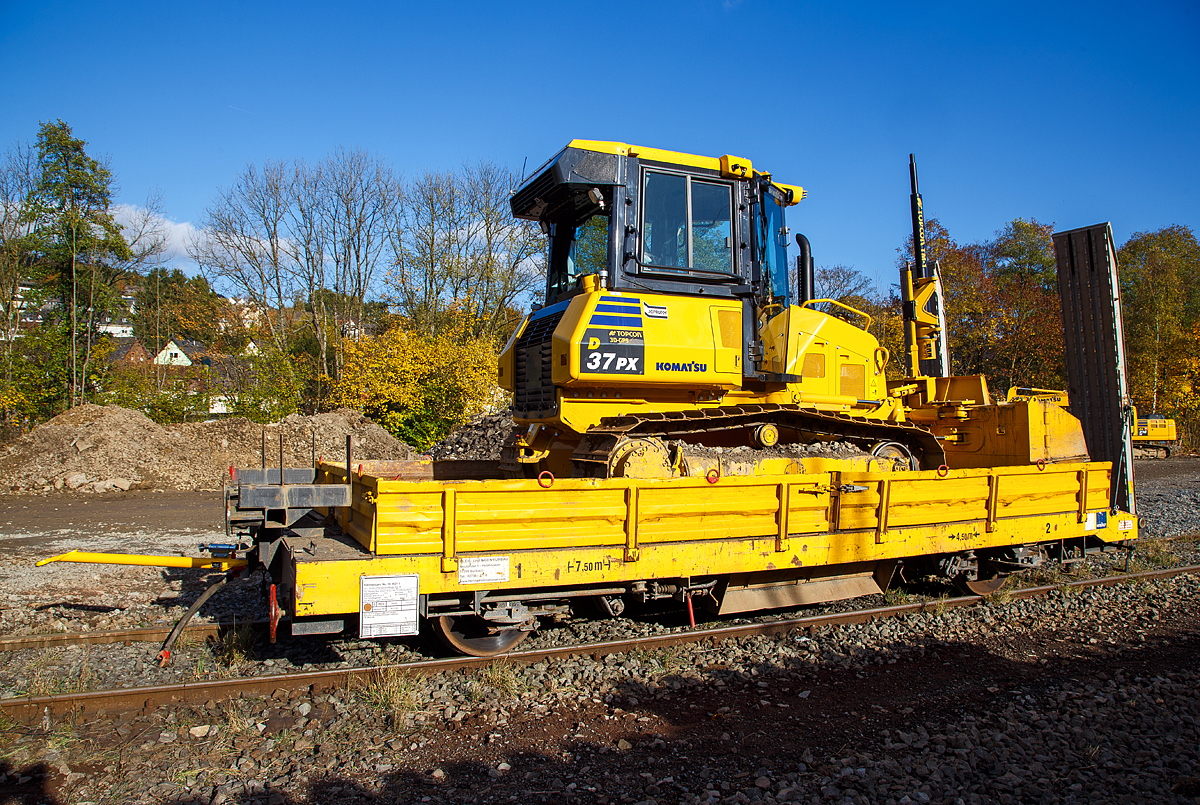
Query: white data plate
{"points": [[388, 606], [482, 569]]}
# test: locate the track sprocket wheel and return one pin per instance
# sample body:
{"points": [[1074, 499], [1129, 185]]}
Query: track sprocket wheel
{"points": [[642, 458]]}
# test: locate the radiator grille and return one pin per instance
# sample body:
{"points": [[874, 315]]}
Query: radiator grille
{"points": [[534, 397], [814, 365], [854, 381]]}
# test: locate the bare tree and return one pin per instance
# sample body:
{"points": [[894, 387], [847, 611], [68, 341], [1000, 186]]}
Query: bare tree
{"points": [[458, 250], [243, 244], [505, 256], [428, 250], [18, 180], [360, 205], [308, 244], [317, 232], [845, 284], [324, 232], [147, 234]]}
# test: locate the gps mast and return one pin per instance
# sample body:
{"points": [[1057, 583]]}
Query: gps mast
{"points": [[925, 339]]}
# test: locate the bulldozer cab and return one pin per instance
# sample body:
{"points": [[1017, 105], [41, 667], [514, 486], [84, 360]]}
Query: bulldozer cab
{"points": [[621, 217]]}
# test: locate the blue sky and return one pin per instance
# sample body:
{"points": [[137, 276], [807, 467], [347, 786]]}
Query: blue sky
{"points": [[1070, 113]]}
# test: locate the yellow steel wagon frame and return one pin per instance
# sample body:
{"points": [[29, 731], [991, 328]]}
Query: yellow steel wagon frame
{"points": [[799, 538]]}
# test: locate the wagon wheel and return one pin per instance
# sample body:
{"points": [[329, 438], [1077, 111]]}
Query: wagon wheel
{"points": [[471, 635]]}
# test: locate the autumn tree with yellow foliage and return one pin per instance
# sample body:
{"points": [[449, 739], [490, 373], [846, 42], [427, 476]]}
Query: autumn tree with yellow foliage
{"points": [[419, 386], [1160, 289]]}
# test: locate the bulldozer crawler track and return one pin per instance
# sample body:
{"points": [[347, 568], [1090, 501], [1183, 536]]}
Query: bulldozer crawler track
{"points": [[598, 443], [510, 466]]}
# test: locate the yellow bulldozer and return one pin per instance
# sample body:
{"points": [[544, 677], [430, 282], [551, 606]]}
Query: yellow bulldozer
{"points": [[677, 340]]}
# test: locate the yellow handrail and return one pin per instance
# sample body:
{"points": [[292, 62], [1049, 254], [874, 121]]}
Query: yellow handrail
{"points": [[844, 306]]}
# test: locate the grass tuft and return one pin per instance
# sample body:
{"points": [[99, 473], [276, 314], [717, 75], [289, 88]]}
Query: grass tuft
{"points": [[1152, 554], [1004, 594], [500, 676], [665, 660], [389, 690], [235, 646], [1048, 574], [236, 722]]}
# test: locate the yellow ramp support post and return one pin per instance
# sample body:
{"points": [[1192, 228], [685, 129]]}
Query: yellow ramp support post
{"points": [[449, 539], [632, 552], [784, 493]]}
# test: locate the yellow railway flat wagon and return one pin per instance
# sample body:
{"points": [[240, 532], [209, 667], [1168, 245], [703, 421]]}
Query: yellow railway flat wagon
{"points": [[720, 435], [481, 560]]}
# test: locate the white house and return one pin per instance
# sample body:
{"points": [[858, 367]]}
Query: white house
{"points": [[120, 324], [181, 352]]}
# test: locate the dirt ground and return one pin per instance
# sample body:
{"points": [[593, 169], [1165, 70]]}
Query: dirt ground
{"points": [[115, 514], [76, 597], [1183, 468]]}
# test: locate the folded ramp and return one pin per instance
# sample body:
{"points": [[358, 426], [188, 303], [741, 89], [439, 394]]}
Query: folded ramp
{"points": [[1094, 342]]}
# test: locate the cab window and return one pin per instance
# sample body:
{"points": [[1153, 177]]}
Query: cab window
{"points": [[687, 223], [576, 251], [772, 246]]}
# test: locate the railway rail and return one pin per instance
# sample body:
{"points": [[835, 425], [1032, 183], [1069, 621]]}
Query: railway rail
{"points": [[140, 635], [33, 709]]}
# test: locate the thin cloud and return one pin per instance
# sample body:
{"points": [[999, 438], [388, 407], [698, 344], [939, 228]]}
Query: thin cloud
{"points": [[177, 233]]}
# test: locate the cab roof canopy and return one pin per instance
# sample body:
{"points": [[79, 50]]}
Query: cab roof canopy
{"points": [[558, 189]]}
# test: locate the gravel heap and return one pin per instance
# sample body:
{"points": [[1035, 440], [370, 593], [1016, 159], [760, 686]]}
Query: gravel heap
{"points": [[102, 448], [478, 440], [483, 437]]}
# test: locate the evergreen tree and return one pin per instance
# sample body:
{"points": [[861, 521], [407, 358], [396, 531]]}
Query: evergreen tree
{"points": [[75, 240]]}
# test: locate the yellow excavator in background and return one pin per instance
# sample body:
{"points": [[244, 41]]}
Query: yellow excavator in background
{"points": [[675, 340]]}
